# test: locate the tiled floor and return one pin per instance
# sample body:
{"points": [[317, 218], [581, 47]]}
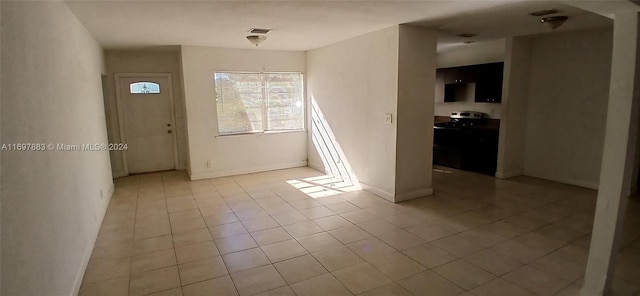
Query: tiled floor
{"points": [[261, 234]]}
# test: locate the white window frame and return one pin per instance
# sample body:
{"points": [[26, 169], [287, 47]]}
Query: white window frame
{"points": [[265, 103]]}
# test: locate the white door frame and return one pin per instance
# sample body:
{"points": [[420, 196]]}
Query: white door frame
{"points": [[125, 162]]}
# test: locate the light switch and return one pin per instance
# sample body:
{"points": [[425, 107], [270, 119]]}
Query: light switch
{"points": [[388, 118]]}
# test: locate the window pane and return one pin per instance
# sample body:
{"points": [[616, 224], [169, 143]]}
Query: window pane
{"points": [[239, 102], [285, 104], [144, 88]]}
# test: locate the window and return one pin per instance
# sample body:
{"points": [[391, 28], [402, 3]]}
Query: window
{"points": [[144, 88], [258, 102]]}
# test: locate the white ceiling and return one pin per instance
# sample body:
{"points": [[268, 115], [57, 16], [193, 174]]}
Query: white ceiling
{"points": [[307, 24]]}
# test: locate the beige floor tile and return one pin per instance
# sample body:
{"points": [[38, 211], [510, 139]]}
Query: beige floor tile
{"points": [[114, 287], [458, 245], [493, 262], [317, 212], [559, 233], [218, 286], [201, 270], [429, 255], [171, 292], [397, 266], [342, 207], [504, 229], [518, 251], [429, 232], [284, 250], [282, 291], [246, 259], [107, 269], [179, 226], [337, 258], [152, 231], [191, 237], [300, 268], [540, 242], [260, 279], [321, 285], [349, 234], [359, 216], [403, 220], [270, 236], [484, 238], [195, 252], [361, 277], [536, 281], [260, 224], [499, 286], [371, 248], [304, 204], [464, 274], [301, 229], [378, 226], [401, 240], [235, 243], [526, 222], [319, 241], [153, 244], [226, 230], [185, 215], [556, 265], [153, 260], [429, 283], [279, 209], [392, 289], [116, 251], [332, 222], [290, 218], [154, 281]]}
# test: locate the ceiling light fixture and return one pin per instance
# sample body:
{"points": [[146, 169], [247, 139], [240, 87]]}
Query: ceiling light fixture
{"points": [[259, 31], [256, 39], [467, 35], [544, 12], [554, 21]]}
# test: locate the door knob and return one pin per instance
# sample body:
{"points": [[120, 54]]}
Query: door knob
{"points": [[169, 131], [168, 124]]}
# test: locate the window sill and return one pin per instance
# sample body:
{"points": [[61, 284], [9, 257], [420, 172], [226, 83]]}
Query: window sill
{"points": [[261, 133]]}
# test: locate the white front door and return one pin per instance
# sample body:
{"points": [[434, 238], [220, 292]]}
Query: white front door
{"points": [[148, 127]]}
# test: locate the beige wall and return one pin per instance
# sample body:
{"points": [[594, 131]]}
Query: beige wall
{"points": [[416, 92], [517, 68], [355, 82], [53, 201], [160, 60], [236, 154], [567, 106]]}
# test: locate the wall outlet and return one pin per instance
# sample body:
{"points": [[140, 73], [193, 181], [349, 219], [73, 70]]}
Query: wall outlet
{"points": [[388, 118], [209, 163]]}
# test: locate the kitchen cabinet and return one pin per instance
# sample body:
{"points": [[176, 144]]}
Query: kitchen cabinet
{"points": [[489, 83], [470, 149], [487, 79]]}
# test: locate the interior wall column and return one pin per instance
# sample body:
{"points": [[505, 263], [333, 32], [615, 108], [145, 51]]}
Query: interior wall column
{"points": [[618, 155]]}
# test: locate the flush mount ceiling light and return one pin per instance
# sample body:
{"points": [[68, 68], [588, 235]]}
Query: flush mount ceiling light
{"points": [[259, 31], [256, 39], [554, 21], [467, 35], [543, 12]]}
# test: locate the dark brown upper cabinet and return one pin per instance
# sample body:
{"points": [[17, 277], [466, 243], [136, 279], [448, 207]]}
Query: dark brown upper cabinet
{"points": [[487, 79]]}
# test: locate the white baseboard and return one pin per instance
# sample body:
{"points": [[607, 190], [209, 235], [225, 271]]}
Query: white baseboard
{"points": [[565, 180], [508, 174], [414, 194], [87, 253], [317, 167], [379, 192], [209, 175]]}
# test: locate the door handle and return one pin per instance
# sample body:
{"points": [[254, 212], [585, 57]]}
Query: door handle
{"points": [[169, 131]]}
